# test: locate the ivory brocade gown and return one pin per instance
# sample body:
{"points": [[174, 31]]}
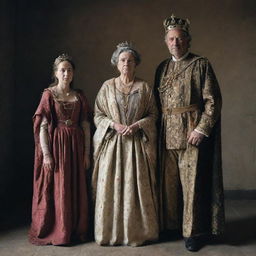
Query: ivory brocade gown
{"points": [[124, 185]]}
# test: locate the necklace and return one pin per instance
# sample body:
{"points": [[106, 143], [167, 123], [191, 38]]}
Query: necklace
{"points": [[126, 96], [61, 92], [128, 86]]}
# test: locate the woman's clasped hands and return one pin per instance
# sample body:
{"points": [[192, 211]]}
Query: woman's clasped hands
{"points": [[126, 129]]}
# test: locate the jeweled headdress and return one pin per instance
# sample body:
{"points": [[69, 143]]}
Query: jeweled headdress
{"points": [[124, 45], [63, 57], [175, 22]]}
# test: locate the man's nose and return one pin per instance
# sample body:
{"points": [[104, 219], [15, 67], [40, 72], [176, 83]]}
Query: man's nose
{"points": [[175, 41]]}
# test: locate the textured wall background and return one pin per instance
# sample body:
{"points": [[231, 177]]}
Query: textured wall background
{"points": [[224, 31]]}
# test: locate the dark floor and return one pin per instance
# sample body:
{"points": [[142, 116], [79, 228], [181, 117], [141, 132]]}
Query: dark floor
{"points": [[239, 239]]}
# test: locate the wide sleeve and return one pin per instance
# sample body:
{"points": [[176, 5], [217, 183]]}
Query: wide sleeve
{"points": [[102, 118], [147, 125], [86, 111], [147, 122], [42, 116], [151, 113], [212, 100], [85, 119], [44, 110]]}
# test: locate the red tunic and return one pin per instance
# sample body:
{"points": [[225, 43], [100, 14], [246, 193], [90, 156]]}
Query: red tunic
{"points": [[60, 204]]}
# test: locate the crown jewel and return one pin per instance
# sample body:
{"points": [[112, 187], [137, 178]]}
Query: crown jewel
{"points": [[63, 56], [124, 45], [175, 22]]}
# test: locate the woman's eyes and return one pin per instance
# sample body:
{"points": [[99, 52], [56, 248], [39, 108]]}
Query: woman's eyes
{"points": [[124, 60], [63, 70]]}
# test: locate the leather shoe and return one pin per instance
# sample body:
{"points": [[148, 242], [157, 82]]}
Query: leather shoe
{"points": [[192, 244]]}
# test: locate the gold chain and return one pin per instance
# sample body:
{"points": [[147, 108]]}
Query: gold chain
{"points": [[126, 96]]}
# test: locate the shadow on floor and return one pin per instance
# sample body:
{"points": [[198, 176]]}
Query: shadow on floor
{"points": [[239, 232], [13, 216]]}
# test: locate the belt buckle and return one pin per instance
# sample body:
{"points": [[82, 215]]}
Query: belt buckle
{"points": [[68, 122]]}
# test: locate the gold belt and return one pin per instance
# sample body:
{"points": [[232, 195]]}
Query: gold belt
{"points": [[179, 110], [67, 122]]}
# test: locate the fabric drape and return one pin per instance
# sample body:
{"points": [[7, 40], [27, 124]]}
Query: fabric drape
{"points": [[59, 206], [124, 183]]}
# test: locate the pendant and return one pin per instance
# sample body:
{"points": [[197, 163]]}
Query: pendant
{"points": [[68, 122]]}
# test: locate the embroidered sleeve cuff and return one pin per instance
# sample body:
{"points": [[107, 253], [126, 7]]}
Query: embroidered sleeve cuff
{"points": [[139, 125], [196, 130]]}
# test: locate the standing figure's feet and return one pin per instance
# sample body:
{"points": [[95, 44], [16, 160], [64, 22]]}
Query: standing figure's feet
{"points": [[192, 244]]}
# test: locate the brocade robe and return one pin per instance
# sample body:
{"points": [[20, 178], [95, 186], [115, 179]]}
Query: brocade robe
{"points": [[124, 184], [189, 96]]}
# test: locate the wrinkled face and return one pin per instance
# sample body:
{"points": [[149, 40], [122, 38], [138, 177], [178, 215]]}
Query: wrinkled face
{"points": [[64, 72], [177, 42], [126, 63]]}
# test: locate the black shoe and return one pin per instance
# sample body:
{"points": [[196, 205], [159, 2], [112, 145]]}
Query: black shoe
{"points": [[192, 244]]}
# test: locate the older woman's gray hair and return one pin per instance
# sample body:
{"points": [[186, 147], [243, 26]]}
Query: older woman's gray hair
{"points": [[125, 47]]}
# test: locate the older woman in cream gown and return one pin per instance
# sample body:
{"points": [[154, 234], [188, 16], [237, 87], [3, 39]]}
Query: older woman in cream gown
{"points": [[124, 184]]}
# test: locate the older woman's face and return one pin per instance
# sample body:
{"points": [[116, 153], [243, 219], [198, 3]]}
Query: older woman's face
{"points": [[126, 63], [64, 72]]}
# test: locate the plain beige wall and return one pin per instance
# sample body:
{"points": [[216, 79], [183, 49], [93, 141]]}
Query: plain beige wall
{"points": [[224, 31]]}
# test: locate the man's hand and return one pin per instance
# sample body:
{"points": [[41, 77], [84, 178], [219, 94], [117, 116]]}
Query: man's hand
{"points": [[195, 138]]}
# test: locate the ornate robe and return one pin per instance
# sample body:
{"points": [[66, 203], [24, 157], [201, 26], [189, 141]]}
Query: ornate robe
{"points": [[189, 96], [124, 184]]}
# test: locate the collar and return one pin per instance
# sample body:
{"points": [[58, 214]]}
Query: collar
{"points": [[181, 58]]}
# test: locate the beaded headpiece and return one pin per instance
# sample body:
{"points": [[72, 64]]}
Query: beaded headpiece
{"points": [[175, 22], [124, 45], [63, 57]]}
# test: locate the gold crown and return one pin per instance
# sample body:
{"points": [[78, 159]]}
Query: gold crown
{"points": [[175, 22]]}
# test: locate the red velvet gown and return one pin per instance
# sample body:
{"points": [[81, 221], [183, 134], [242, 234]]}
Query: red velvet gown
{"points": [[60, 205]]}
